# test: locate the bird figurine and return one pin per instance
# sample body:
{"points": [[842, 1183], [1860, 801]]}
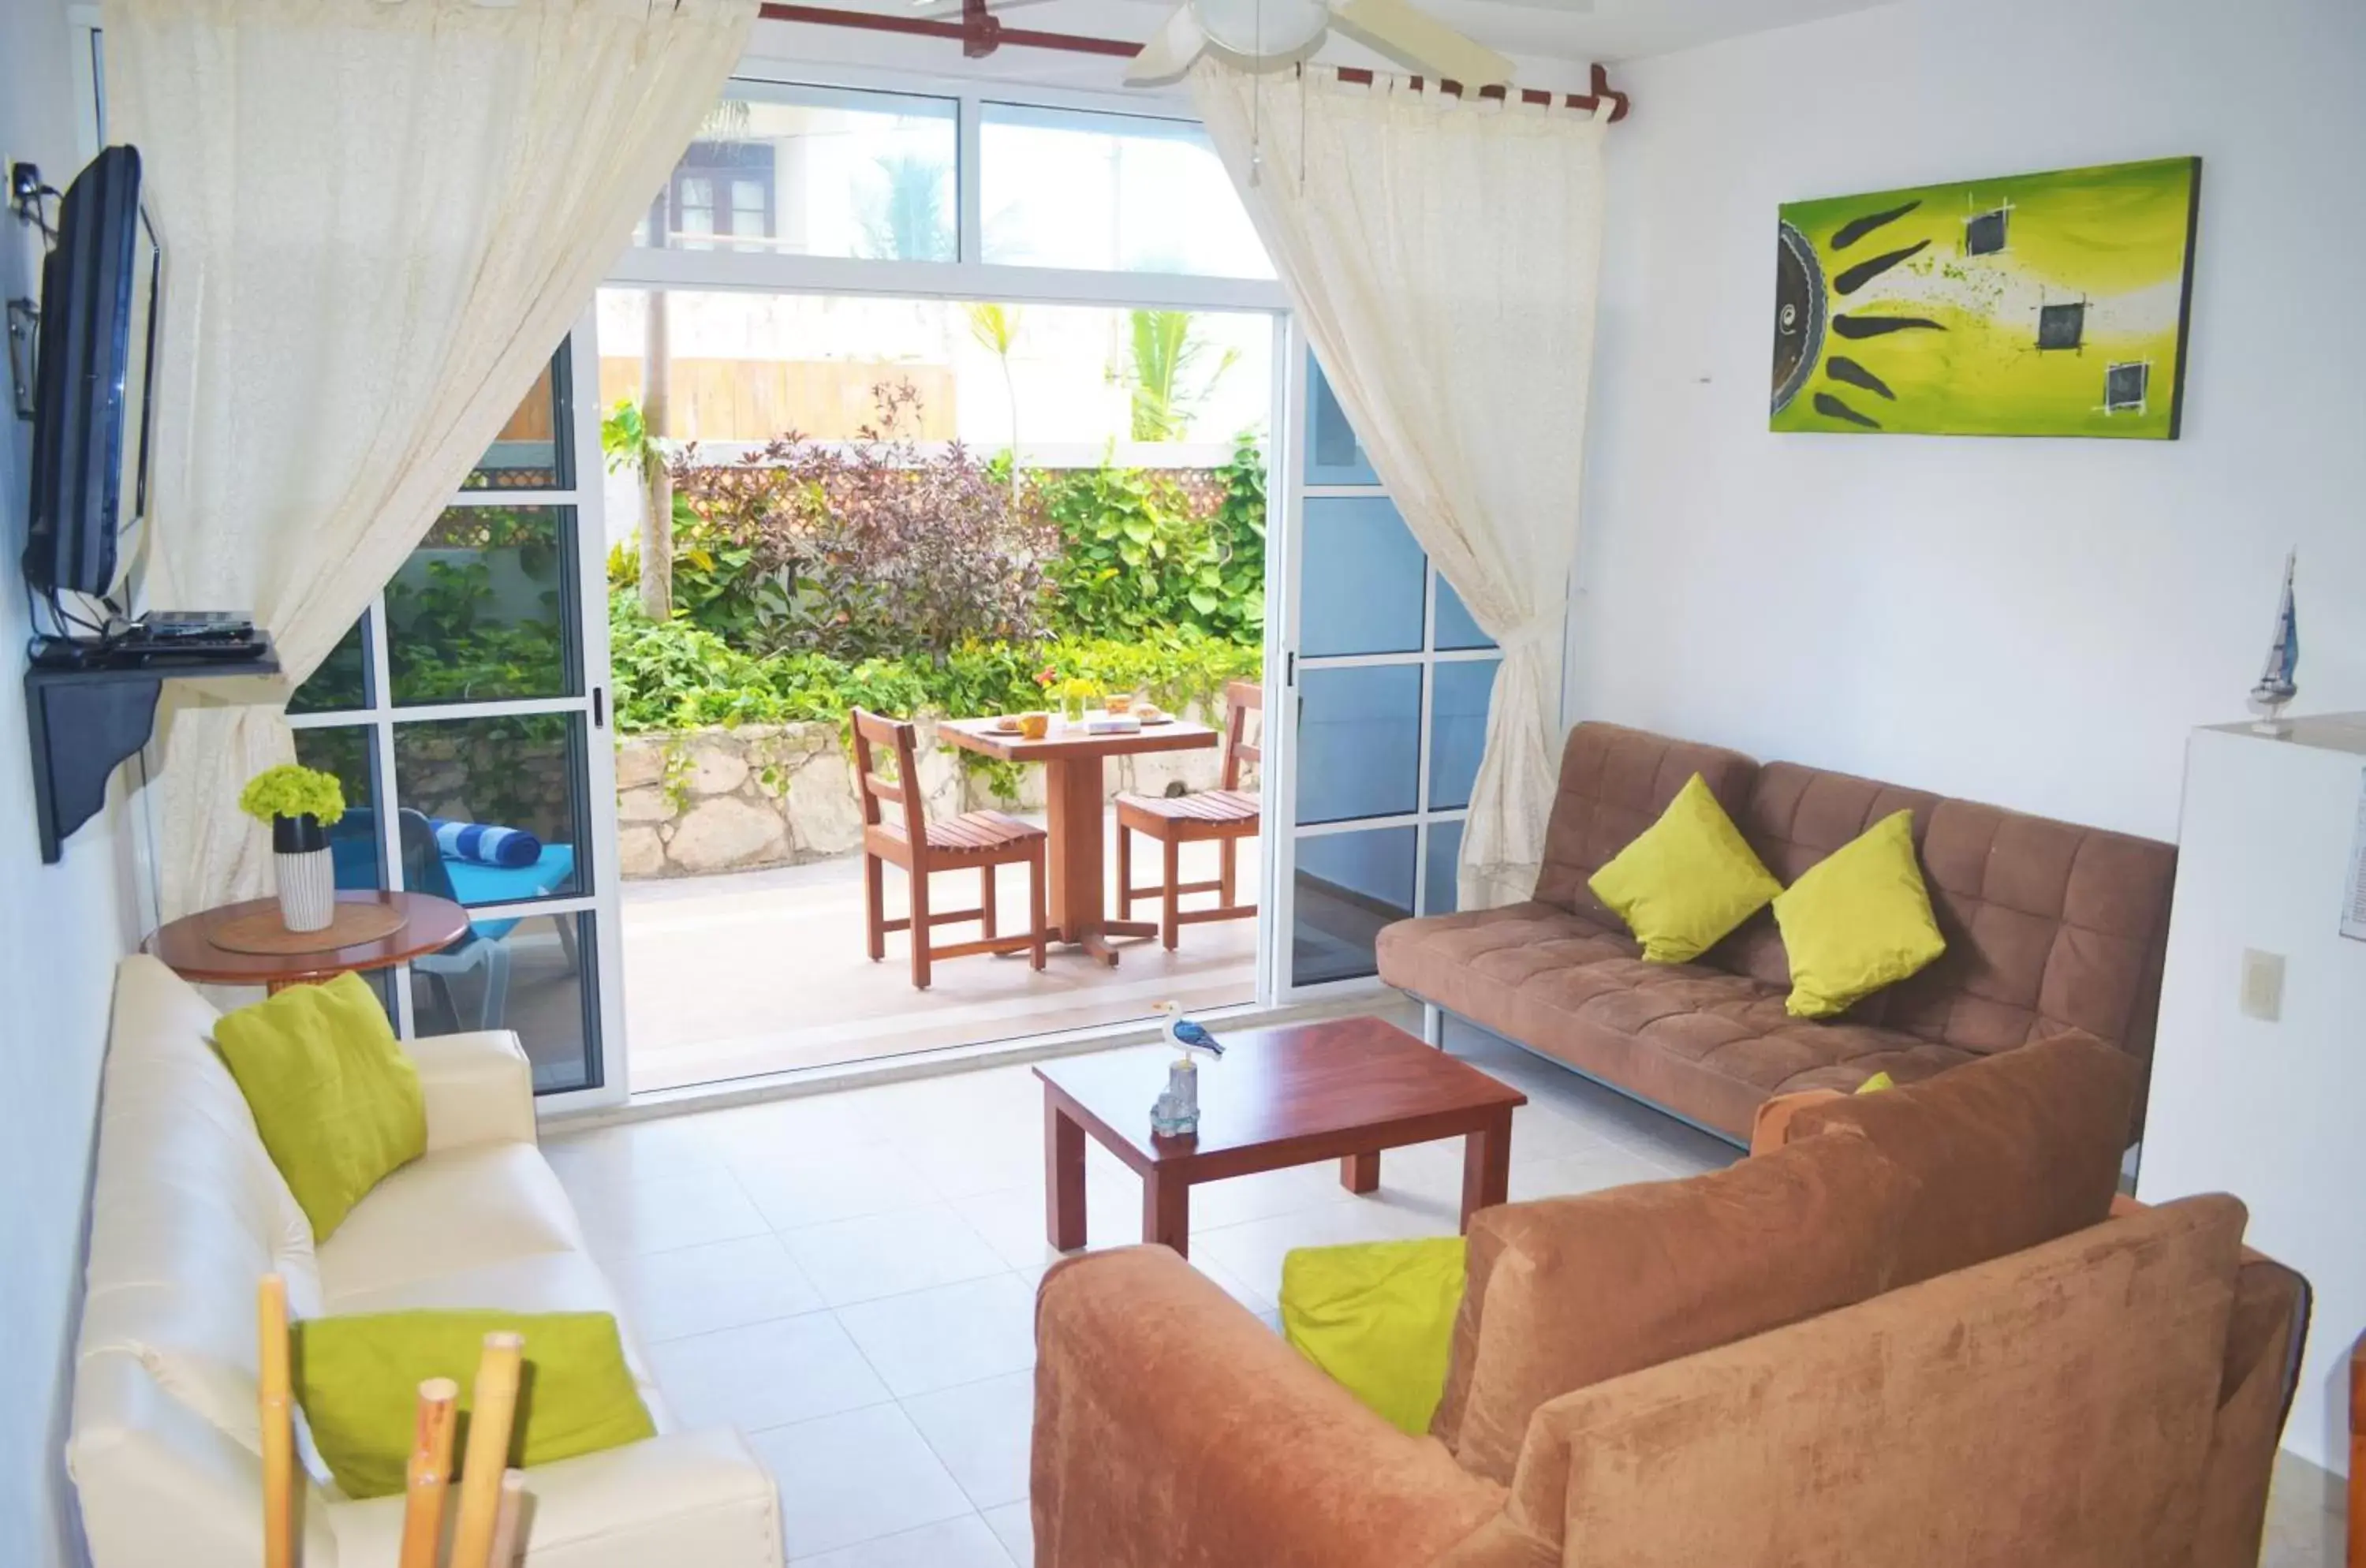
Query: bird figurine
{"points": [[1175, 1113], [1185, 1035]]}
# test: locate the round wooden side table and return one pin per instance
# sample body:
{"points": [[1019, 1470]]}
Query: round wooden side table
{"points": [[429, 923]]}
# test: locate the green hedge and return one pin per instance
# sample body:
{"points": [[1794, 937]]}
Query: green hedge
{"points": [[676, 676]]}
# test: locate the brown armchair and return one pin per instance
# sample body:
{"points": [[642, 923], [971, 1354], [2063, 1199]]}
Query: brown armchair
{"points": [[1778, 1363]]}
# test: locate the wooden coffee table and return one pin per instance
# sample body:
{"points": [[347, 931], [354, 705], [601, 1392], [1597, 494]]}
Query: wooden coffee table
{"points": [[1343, 1088]]}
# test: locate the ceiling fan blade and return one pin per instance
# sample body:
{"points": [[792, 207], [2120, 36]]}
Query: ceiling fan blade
{"points": [[1397, 29], [1170, 51]]}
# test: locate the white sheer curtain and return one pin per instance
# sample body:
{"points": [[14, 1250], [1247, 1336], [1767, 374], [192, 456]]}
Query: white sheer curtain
{"points": [[380, 218], [1443, 257]]}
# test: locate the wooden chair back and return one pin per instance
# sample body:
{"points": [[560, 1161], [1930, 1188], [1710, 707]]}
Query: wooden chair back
{"points": [[900, 737], [1241, 699]]}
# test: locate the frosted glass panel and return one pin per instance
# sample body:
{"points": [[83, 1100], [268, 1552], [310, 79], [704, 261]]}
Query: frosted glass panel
{"points": [[1457, 728], [1362, 580], [1456, 629], [1359, 736], [1347, 886], [1334, 455], [1439, 894]]}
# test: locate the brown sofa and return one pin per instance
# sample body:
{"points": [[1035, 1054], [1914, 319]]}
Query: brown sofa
{"points": [[1804, 1360], [2050, 928]]}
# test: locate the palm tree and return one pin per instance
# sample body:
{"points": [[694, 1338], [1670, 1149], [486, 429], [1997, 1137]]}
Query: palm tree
{"points": [[996, 328], [908, 222], [1167, 348], [727, 122]]}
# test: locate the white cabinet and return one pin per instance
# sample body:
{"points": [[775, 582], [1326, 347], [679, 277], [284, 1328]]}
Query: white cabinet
{"points": [[2272, 1111]]}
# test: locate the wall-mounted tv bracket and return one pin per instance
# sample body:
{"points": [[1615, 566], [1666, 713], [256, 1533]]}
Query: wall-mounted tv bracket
{"points": [[25, 194]]}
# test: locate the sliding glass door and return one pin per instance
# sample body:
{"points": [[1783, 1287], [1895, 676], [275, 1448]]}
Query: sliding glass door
{"points": [[1386, 683], [473, 696]]}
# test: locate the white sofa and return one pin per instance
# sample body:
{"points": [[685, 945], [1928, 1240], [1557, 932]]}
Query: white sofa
{"points": [[187, 1212]]}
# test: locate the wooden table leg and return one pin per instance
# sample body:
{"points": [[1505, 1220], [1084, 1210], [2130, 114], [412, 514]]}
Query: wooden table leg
{"points": [[1072, 792], [1064, 1179], [1166, 1213], [1487, 1166], [1361, 1173]]}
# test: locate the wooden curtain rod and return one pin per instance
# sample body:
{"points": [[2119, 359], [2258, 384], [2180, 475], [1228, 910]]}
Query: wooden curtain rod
{"points": [[980, 33]]}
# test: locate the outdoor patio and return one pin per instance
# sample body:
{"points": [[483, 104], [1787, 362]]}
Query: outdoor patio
{"points": [[755, 971]]}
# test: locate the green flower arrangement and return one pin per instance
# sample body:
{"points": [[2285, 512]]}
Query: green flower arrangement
{"points": [[291, 790]]}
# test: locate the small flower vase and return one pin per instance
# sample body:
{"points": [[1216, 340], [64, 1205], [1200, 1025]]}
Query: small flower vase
{"points": [[307, 884]]}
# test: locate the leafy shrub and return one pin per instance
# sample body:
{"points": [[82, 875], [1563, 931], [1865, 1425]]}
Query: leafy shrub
{"points": [[1138, 555], [680, 676], [863, 549]]}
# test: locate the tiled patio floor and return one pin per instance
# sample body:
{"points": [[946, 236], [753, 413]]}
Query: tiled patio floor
{"points": [[758, 972]]}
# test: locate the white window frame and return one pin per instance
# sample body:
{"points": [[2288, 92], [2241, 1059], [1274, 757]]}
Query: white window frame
{"points": [[969, 278], [596, 834], [1283, 621]]}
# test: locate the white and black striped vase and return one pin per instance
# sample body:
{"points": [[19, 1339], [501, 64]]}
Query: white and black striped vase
{"points": [[308, 882]]}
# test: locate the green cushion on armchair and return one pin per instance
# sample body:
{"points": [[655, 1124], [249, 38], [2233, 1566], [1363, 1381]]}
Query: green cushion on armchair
{"points": [[1379, 1317]]}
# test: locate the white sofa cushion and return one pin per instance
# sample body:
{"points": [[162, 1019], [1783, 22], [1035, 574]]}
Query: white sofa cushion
{"points": [[446, 1214]]}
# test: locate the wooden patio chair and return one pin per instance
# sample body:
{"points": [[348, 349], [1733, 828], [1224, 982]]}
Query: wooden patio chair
{"points": [[1226, 814], [978, 841]]}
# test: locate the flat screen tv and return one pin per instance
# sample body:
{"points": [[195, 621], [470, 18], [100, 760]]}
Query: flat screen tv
{"points": [[92, 380]]}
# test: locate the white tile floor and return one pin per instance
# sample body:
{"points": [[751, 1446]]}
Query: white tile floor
{"points": [[849, 1279]]}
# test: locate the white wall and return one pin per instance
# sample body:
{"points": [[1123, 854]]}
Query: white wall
{"points": [[61, 928], [2036, 622]]}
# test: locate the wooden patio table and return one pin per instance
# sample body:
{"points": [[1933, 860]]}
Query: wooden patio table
{"points": [[1074, 791]]}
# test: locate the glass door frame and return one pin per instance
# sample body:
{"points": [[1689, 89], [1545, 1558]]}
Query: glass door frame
{"points": [[971, 279], [596, 831], [1285, 572]]}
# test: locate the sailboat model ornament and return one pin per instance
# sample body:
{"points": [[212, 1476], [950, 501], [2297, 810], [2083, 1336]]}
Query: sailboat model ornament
{"points": [[2276, 686]]}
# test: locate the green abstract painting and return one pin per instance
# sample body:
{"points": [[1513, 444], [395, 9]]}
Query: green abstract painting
{"points": [[2035, 305]]}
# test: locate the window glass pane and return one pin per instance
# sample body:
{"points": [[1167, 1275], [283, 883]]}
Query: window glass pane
{"points": [[1347, 886], [479, 611], [534, 976], [351, 754], [815, 172], [1440, 885], [1334, 455], [531, 452], [518, 771], [1113, 193], [343, 679], [1172, 388], [1364, 579], [1456, 629], [1358, 739], [1459, 690]]}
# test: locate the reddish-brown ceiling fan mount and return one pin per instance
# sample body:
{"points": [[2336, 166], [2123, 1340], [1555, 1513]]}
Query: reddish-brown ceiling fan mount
{"points": [[980, 33]]}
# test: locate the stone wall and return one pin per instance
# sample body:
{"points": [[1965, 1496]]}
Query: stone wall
{"points": [[698, 801]]}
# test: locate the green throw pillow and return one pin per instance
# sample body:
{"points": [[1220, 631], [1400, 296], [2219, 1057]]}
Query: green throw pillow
{"points": [[357, 1379], [1378, 1317], [335, 1100]]}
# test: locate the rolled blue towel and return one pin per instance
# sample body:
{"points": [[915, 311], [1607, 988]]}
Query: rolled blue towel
{"points": [[486, 845]]}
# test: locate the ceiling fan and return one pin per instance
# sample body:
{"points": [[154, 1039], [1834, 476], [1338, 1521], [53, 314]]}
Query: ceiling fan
{"points": [[1269, 33], [1266, 34]]}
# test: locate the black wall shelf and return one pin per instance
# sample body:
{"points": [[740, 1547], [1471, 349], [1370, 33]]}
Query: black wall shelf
{"points": [[84, 722]]}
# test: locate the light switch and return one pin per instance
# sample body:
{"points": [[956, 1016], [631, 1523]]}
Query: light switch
{"points": [[2263, 984]]}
